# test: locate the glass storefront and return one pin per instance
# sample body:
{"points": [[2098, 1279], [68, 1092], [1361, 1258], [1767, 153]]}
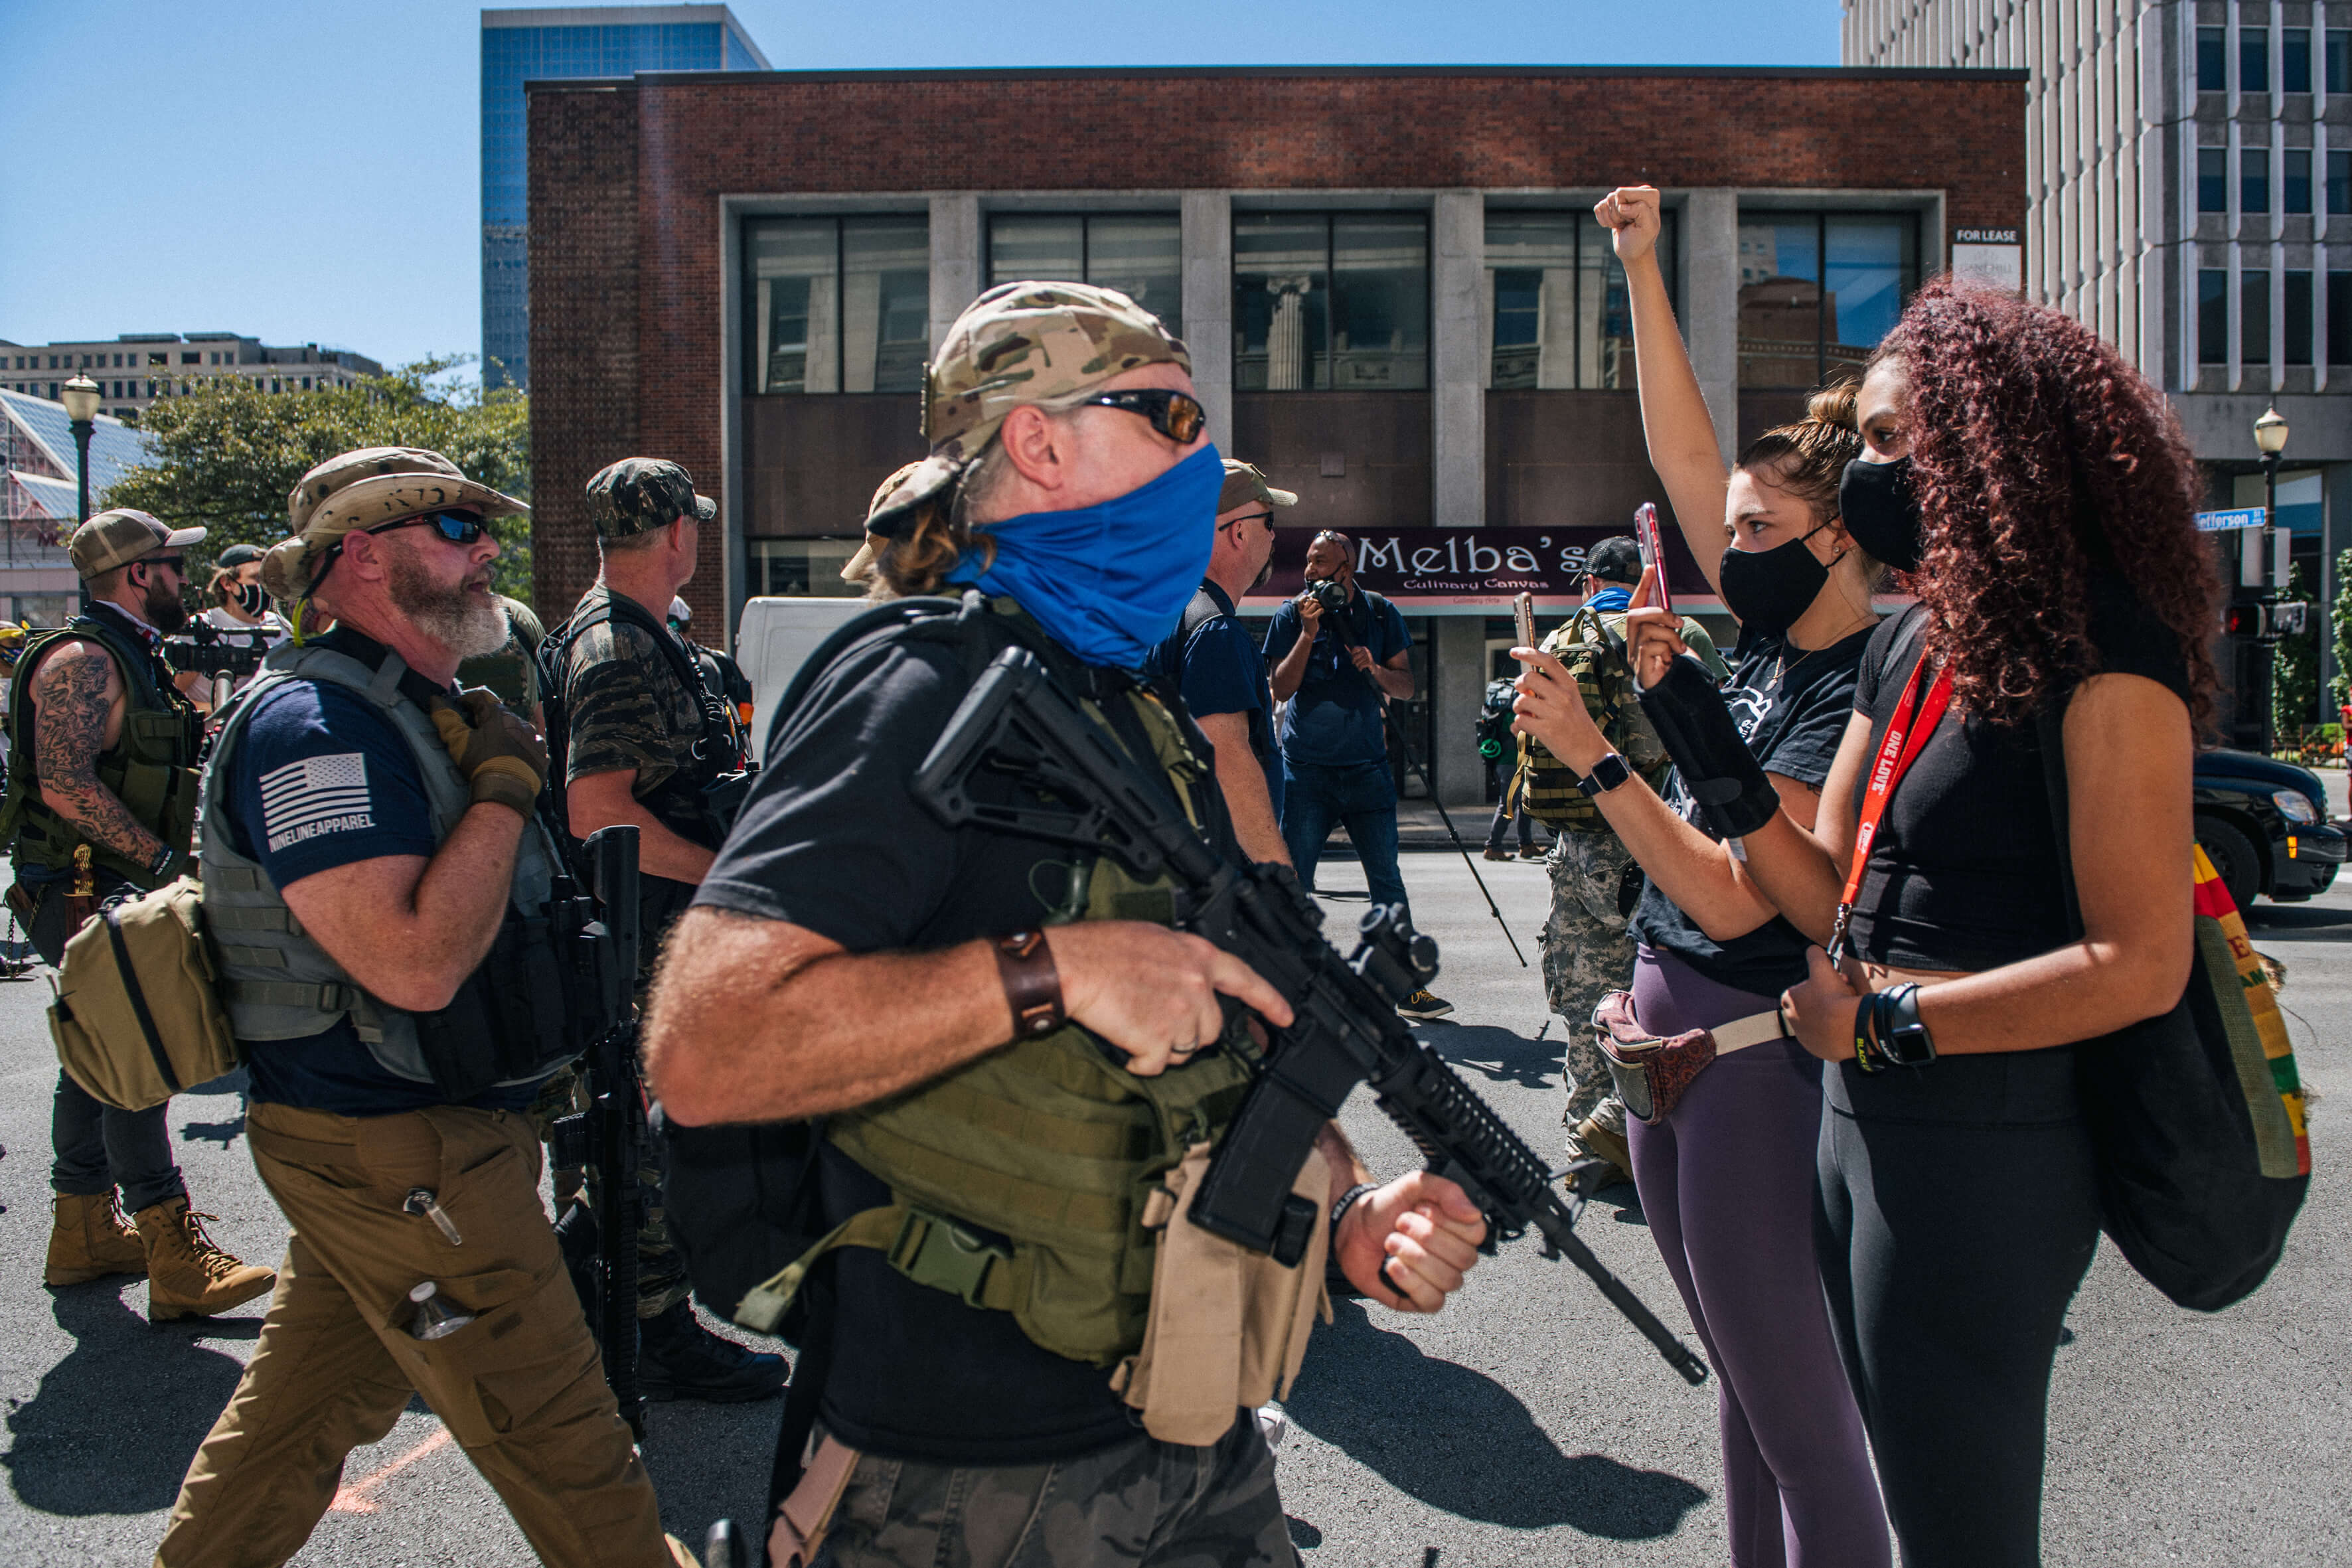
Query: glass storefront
{"points": [[1818, 290], [837, 304], [1330, 301], [1556, 310], [804, 568], [1138, 254]]}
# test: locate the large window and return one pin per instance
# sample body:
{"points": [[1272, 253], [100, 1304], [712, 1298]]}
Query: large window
{"points": [[2294, 59], [2340, 318], [2213, 316], [1138, 254], [2254, 60], [2254, 180], [1817, 290], [2209, 76], [2340, 60], [2296, 305], [2294, 179], [2212, 179], [2253, 318], [1557, 300], [838, 304], [1331, 301]]}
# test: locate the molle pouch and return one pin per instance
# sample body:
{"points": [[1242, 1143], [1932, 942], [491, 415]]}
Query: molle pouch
{"points": [[1228, 1326], [1652, 1074]]}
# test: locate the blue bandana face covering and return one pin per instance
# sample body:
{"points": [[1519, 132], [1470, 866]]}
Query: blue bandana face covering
{"points": [[1110, 581]]}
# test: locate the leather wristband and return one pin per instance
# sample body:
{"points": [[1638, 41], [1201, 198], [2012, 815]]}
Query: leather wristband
{"points": [[1699, 733], [1032, 985]]}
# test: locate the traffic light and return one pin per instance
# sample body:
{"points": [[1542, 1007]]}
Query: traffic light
{"points": [[2268, 623]]}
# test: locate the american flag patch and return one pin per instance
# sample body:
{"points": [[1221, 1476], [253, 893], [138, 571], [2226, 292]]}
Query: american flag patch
{"points": [[316, 795]]}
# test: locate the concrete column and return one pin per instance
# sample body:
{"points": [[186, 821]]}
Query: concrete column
{"points": [[1457, 378], [1457, 679], [1207, 248], [1709, 306], [955, 259]]}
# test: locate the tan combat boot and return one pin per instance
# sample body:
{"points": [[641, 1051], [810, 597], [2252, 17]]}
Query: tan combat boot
{"points": [[89, 1240], [187, 1276]]}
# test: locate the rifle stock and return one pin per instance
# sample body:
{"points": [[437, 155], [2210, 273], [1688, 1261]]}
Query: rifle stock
{"points": [[1080, 788]]}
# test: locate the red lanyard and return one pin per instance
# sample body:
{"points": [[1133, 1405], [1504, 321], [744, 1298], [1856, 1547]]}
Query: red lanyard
{"points": [[1907, 737]]}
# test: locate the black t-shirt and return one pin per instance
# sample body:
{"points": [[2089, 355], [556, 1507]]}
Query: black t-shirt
{"points": [[1792, 707], [830, 839], [1964, 873]]}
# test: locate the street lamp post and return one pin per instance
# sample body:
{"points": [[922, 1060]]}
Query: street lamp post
{"points": [[2270, 439], [80, 397]]}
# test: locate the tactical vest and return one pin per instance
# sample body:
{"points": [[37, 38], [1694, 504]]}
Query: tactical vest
{"points": [[151, 768], [1591, 646], [1047, 1144], [506, 1024]]}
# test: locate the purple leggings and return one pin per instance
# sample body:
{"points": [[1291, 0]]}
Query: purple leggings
{"points": [[1726, 1183]]}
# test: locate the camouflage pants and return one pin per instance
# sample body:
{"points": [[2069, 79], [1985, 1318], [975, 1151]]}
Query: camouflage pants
{"points": [[662, 1282], [1139, 1501], [1586, 955]]}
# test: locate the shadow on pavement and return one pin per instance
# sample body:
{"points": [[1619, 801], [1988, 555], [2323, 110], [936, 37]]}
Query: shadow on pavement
{"points": [[113, 1426], [1499, 1055], [2303, 921], [1462, 1443]]}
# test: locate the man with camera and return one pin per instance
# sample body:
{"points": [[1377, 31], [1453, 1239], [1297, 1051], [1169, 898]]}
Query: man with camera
{"points": [[1219, 669], [1341, 654], [643, 741], [1001, 1032], [95, 724], [377, 877]]}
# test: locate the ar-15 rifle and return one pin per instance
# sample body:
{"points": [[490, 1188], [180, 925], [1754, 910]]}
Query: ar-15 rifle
{"points": [[600, 1243], [1087, 793]]}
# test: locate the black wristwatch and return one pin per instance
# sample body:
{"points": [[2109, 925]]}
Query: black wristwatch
{"points": [[1607, 774], [1903, 1040]]}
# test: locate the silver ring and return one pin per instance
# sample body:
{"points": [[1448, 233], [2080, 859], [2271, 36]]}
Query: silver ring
{"points": [[1184, 1050]]}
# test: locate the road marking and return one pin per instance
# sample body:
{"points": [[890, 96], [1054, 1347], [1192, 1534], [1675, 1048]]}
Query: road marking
{"points": [[360, 1497]]}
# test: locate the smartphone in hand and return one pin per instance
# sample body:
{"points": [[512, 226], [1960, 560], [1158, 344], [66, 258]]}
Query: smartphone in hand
{"points": [[1654, 552], [1523, 610]]}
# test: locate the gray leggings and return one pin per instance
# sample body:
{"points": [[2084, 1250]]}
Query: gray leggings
{"points": [[1959, 1212]]}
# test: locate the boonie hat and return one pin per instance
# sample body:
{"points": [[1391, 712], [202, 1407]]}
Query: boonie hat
{"points": [[1245, 482], [860, 566], [118, 538], [362, 489], [1019, 342], [638, 495]]}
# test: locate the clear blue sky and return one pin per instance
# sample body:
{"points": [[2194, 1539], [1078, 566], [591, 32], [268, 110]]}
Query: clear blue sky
{"points": [[310, 172]]}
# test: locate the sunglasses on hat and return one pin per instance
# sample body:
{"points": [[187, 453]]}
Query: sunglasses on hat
{"points": [[457, 527], [1175, 415]]}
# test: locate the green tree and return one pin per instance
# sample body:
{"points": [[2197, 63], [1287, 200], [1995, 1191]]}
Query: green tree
{"points": [[227, 455], [2294, 666], [2342, 684]]}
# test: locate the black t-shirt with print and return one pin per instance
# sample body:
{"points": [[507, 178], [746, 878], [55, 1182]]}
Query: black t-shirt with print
{"points": [[1792, 707]]}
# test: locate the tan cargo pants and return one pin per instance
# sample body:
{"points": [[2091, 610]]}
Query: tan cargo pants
{"points": [[521, 1387]]}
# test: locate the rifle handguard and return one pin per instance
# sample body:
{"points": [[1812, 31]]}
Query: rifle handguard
{"points": [[1696, 727]]}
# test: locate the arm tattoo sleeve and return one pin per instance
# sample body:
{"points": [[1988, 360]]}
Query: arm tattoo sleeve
{"points": [[67, 734]]}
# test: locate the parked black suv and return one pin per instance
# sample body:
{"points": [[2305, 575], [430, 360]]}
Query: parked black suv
{"points": [[2265, 827]]}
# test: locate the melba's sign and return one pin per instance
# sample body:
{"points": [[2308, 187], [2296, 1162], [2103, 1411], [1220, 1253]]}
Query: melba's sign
{"points": [[1469, 565]]}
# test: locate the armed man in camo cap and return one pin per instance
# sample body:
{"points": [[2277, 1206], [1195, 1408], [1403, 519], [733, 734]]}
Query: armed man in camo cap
{"points": [[637, 735], [988, 1088]]}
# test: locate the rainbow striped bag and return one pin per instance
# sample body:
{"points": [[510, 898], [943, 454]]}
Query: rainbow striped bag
{"points": [[2196, 1115]]}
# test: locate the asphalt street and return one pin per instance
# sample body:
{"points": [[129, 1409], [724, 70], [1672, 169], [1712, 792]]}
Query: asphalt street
{"points": [[1526, 1424]]}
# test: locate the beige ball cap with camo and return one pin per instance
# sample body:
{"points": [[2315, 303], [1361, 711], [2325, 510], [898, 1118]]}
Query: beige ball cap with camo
{"points": [[363, 490], [860, 567], [1019, 343]]}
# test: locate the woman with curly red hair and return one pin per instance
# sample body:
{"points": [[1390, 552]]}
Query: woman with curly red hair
{"points": [[2041, 494]]}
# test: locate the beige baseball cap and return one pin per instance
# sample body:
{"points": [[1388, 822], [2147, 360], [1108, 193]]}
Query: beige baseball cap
{"points": [[363, 490], [1019, 342], [1245, 482], [118, 538]]}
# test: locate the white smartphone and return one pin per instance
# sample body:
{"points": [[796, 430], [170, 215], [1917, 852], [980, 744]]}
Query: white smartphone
{"points": [[1654, 550], [1523, 609]]}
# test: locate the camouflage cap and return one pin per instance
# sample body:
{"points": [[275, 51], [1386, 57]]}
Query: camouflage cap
{"points": [[366, 488], [1245, 482], [1019, 342], [860, 566], [637, 495], [118, 538]]}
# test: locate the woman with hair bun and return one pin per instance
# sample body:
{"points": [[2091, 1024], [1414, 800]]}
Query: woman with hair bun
{"points": [[2042, 490], [1726, 1175]]}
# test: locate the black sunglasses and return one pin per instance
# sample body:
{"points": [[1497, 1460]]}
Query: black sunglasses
{"points": [[1175, 415], [457, 527], [176, 562], [1264, 517]]}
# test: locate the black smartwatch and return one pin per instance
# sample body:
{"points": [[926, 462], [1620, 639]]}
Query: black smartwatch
{"points": [[1607, 774], [1902, 1040]]}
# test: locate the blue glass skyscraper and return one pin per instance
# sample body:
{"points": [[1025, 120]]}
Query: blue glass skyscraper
{"points": [[566, 41]]}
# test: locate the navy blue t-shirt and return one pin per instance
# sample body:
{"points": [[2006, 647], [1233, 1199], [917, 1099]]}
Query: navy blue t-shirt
{"points": [[1335, 717], [1219, 669], [326, 780]]}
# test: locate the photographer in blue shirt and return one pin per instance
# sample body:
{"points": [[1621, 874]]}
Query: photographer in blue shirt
{"points": [[1341, 654]]}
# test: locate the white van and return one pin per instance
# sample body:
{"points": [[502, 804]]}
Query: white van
{"points": [[772, 641]]}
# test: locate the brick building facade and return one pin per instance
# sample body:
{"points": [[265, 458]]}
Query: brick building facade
{"points": [[1393, 299]]}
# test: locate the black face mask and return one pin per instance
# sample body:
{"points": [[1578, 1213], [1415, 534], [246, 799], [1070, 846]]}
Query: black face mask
{"points": [[249, 598], [1769, 589], [1882, 512]]}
